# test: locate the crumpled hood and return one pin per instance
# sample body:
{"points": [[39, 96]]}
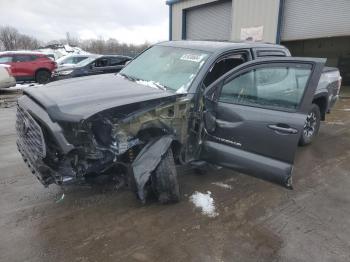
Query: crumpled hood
{"points": [[79, 98]]}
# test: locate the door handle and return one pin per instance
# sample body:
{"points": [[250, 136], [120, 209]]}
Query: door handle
{"points": [[285, 129]]}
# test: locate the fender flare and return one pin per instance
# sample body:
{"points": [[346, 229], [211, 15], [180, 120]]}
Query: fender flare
{"points": [[324, 96]]}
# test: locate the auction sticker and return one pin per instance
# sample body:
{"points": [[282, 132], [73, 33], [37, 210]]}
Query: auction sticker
{"points": [[192, 57]]}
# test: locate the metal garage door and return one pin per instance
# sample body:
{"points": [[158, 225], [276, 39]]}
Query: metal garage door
{"points": [[212, 21], [305, 19]]}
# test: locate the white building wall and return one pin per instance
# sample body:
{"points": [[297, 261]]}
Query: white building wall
{"points": [[256, 13], [246, 14]]}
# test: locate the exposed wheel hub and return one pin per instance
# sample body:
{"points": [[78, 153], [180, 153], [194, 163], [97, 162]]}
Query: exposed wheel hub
{"points": [[310, 124]]}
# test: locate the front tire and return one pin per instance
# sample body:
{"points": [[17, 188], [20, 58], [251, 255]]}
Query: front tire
{"points": [[164, 180], [311, 126], [42, 76]]}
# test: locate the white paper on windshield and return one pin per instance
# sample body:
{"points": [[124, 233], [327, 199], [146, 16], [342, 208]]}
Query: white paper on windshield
{"points": [[192, 57]]}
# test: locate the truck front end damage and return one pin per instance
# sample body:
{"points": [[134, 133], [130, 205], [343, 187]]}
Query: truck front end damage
{"points": [[125, 143]]}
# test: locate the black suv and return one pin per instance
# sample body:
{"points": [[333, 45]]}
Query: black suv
{"points": [[93, 65]]}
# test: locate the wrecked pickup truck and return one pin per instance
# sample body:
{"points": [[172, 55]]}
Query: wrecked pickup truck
{"points": [[181, 102]]}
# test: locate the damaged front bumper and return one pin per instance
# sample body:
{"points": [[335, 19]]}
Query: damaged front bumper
{"points": [[45, 174], [32, 146], [53, 160]]}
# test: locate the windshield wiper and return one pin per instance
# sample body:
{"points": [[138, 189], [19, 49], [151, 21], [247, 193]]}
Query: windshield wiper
{"points": [[160, 86], [150, 83], [134, 79]]}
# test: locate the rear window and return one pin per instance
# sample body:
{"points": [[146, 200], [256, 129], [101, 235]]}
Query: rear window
{"points": [[5, 59]]}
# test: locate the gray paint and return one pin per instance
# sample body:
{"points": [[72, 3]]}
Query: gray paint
{"points": [[244, 138], [80, 98], [246, 162], [315, 19], [211, 21]]}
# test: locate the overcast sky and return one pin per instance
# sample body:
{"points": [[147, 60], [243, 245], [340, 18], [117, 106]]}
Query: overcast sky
{"points": [[129, 21]]}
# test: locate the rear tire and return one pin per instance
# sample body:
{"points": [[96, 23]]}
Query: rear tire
{"points": [[311, 126], [42, 76], [164, 180]]}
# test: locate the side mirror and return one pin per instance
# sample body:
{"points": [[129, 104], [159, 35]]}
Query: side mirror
{"points": [[210, 120], [210, 99], [211, 92]]}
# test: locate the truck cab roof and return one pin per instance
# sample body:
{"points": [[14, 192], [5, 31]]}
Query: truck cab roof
{"points": [[218, 46]]}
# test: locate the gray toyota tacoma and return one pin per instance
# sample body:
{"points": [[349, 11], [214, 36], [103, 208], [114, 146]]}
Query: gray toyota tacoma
{"points": [[244, 106]]}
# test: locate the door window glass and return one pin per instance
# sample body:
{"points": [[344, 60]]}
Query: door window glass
{"points": [[276, 87], [24, 58], [6, 59], [69, 60], [78, 59], [102, 62], [224, 65], [116, 61]]}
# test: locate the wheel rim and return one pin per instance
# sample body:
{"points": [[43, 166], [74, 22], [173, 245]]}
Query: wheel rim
{"points": [[43, 78], [310, 124]]}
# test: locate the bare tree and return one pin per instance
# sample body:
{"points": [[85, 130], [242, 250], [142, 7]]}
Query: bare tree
{"points": [[111, 46], [71, 40], [9, 37], [27, 43]]}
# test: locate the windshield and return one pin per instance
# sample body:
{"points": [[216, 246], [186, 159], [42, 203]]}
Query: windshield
{"points": [[86, 61], [170, 67]]}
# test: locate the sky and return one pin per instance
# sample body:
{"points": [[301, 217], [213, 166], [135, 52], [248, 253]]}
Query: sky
{"points": [[128, 21]]}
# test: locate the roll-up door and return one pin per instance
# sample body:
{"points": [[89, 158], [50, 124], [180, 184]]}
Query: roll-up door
{"points": [[211, 21], [306, 19]]}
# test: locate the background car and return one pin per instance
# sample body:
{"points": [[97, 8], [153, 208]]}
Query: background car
{"points": [[29, 66], [6, 78], [94, 65], [70, 60]]}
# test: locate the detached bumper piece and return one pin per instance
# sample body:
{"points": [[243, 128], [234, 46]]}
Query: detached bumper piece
{"points": [[147, 161]]}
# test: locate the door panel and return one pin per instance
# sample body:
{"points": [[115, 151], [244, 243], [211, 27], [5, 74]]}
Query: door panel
{"points": [[249, 127], [255, 114], [24, 65], [246, 162]]}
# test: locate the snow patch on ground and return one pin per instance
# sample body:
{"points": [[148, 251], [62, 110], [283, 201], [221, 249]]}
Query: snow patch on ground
{"points": [[223, 185], [20, 86], [339, 123], [345, 109], [205, 202]]}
